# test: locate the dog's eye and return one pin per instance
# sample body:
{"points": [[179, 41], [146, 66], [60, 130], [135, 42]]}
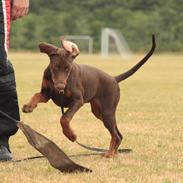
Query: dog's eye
{"points": [[57, 68]]}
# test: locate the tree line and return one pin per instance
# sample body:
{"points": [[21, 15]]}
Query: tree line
{"points": [[136, 20]]}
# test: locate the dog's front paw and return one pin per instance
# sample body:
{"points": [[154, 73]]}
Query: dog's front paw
{"points": [[27, 108], [72, 137], [70, 134]]}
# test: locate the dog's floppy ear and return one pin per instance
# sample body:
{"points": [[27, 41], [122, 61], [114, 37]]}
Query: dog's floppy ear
{"points": [[71, 47], [48, 49]]}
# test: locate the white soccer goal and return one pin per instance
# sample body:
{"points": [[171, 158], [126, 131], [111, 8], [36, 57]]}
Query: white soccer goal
{"points": [[85, 43], [112, 41]]}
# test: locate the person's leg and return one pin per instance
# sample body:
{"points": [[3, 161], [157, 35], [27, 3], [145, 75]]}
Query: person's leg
{"points": [[8, 94]]}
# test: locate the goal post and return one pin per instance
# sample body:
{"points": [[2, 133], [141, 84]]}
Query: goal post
{"points": [[84, 42], [112, 41]]}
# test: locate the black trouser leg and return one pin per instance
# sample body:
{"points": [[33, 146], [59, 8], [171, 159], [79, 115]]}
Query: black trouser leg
{"points": [[8, 104], [8, 94]]}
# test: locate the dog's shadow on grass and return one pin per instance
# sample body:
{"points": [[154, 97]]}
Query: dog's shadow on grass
{"points": [[120, 151]]}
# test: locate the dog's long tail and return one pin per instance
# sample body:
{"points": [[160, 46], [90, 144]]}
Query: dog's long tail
{"points": [[131, 71]]}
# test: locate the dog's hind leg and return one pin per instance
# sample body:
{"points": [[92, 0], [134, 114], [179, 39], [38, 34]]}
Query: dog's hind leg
{"points": [[116, 137], [120, 136], [104, 109]]}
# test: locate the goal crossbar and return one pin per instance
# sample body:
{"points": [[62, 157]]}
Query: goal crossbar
{"points": [[82, 37]]}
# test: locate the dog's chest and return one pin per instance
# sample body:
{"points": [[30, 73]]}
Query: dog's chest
{"points": [[61, 99]]}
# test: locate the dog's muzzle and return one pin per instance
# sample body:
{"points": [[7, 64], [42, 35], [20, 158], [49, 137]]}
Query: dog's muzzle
{"points": [[60, 87]]}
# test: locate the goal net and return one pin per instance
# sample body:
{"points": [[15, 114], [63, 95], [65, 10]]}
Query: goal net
{"points": [[113, 42], [85, 43]]}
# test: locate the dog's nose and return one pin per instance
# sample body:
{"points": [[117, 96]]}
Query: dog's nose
{"points": [[60, 86]]}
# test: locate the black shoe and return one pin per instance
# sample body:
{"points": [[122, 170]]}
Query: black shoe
{"points": [[5, 155]]}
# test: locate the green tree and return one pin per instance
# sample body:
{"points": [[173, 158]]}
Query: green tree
{"points": [[136, 19]]}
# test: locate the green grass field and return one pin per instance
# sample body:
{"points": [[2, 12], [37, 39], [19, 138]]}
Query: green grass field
{"points": [[149, 115]]}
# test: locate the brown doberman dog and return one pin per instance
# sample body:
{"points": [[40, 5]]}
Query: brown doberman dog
{"points": [[79, 84]]}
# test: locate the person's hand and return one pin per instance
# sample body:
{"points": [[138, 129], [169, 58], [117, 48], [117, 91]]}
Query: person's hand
{"points": [[20, 8]]}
